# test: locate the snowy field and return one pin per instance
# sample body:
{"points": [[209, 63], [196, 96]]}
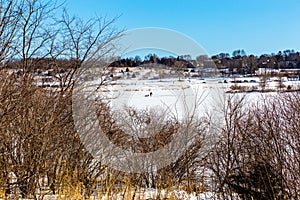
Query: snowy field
{"points": [[177, 98]]}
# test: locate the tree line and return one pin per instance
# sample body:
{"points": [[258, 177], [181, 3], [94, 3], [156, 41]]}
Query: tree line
{"points": [[239, 62], [243, 64], [152, 58]]}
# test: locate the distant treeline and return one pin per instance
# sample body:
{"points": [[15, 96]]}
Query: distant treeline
{"points": [[36, 64], [242, 63], [239, 62], [152, 58]]}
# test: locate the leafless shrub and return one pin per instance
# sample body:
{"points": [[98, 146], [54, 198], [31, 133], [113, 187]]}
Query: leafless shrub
{"points": [[257, 154]]}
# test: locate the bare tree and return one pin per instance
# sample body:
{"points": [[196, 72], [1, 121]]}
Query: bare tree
{"points": [[40, 150], [280, 81], [35, 30], [179, 69], [255, 156], [263, 82], [8, 29], [85, 41]]}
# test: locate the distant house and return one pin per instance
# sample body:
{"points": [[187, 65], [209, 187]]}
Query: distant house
{"points": [[265, 71]]}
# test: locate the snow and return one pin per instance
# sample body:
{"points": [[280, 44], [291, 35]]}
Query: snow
{"points": [[179, 99], [172, 96], [152, 193]]}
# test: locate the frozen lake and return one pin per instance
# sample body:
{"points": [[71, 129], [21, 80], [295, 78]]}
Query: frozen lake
{"points": [[179, 99]]}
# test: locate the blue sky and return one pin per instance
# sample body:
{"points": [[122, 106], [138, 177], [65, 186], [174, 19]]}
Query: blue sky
{"points": [[257, 26]]}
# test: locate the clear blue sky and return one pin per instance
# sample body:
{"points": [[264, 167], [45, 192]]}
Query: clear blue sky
{"points": [[257, 26]]}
